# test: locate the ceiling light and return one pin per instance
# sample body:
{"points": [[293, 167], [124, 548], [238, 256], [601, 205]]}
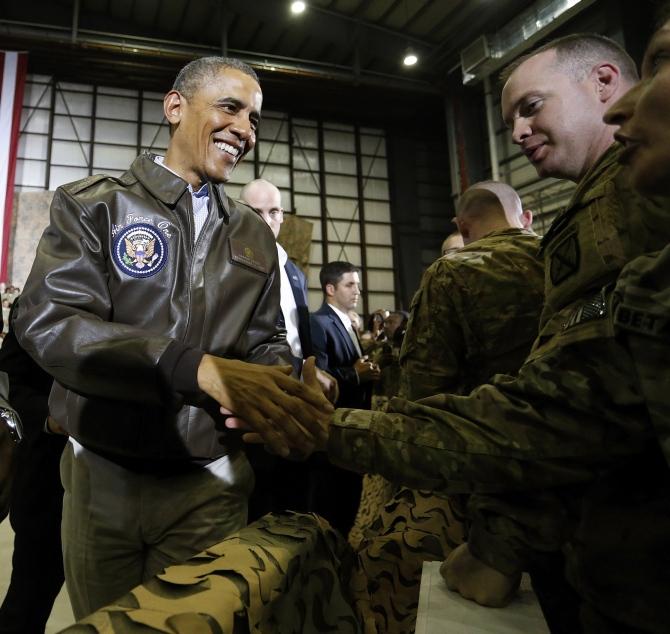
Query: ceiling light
{"points": [[298, 7], [410, 58]]}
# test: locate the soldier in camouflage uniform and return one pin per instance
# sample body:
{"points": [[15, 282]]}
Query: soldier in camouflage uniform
{"points": [[572, 430], [474, 315], [642, 316]]}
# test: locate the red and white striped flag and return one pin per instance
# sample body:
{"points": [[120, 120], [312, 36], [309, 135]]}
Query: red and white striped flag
{"points": [[12, 80]]}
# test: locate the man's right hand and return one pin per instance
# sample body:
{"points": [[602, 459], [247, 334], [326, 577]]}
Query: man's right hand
{"points": [[366, 370], [283, 411]]}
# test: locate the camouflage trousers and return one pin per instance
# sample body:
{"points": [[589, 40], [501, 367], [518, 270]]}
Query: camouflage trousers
{"points": [[410, 528]]}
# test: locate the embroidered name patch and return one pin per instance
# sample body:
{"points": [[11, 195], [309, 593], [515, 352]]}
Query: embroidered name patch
{"points": [[140, 250]]}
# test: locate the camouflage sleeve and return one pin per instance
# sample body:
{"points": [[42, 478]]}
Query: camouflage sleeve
{"points": [[570, 412], [432, 351], [508, 530], [642, 321]]}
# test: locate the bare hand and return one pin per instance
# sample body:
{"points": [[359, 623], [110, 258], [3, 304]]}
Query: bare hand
{"points": [[474, 580], [283, 411], [310, 375], [328, 385], [366, 370]]}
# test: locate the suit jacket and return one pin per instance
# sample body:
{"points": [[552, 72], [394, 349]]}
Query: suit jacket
{"points": [[298, 283], [336, 353]]}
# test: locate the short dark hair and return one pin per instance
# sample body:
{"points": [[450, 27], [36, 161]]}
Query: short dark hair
{"points": [[192, 76], [578, 53], [332, 272]]}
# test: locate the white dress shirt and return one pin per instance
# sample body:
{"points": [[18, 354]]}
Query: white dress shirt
{"points": [[288, 306], [199, 201]]}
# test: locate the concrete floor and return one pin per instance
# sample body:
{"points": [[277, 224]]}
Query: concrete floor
{"points": [[61, 616]]}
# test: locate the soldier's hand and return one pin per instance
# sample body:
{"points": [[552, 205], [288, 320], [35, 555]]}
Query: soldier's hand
{"points": [[285, 413], [366, 370], [474, 580]]}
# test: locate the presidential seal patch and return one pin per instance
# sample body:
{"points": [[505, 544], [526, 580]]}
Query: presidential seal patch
{"points": [[140, 250]]}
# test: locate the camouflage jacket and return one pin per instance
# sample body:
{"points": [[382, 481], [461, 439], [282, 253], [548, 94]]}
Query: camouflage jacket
{"points": [[474, 315], [642, 320], [574, 416], [481, 442]]}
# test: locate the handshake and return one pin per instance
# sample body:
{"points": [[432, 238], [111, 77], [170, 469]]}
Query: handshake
{"points": [[290, 417]]}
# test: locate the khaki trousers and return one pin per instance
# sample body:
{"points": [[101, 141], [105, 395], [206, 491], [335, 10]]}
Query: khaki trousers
{"points": [[120, 528]]}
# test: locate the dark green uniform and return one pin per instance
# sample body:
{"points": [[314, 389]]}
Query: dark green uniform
{"points": [[475, 314], [574, 419], [642, 320]]}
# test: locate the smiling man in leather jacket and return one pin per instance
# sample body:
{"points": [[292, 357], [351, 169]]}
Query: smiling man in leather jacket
{"points": [[151, 301]]}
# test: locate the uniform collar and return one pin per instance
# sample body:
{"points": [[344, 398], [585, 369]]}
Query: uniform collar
{"points": [[608, 162]]}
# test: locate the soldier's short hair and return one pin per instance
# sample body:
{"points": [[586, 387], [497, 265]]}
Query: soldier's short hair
{"points": [[332, 272], [478, 202], [578, 53], [195, 73]]}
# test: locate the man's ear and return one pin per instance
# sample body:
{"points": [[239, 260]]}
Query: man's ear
{"points": [[463, 227], [606, 77], [330, 290], [173, 104], [526, 218]]}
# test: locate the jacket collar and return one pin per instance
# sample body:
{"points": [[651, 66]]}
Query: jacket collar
{"points": [[169, 188]]}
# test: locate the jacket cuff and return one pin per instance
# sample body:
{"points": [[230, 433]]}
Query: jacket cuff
{"points": [[349, 442], [178, 366], [493, 550]]}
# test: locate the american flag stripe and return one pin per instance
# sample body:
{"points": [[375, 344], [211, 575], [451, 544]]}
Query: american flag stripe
{"points": [[13, 68]]}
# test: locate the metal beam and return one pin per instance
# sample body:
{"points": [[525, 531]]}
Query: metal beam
{"points": [[75, 19], [390, 10], [422, 10], [374, 25], [90, 41]]}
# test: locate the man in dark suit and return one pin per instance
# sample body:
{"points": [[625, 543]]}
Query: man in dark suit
{"points": [[282, 484], [336, 346], [335, 340]]}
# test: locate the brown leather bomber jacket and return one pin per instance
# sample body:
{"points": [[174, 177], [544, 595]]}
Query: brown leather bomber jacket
{"points": [[121, 305]]}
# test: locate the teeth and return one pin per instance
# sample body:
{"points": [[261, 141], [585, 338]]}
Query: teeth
{"points": [[225, 147]]}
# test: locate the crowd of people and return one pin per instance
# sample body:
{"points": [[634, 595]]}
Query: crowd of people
{"points": [[515, 419]]}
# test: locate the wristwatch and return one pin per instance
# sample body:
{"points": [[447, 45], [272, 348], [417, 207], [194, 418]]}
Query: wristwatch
{"points": [[13, 423]]}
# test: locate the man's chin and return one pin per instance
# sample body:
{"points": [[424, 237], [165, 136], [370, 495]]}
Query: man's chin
{"points": [[545, 170]]}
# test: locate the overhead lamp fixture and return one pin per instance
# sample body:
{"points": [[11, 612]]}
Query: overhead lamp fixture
{"points": [[410, 57], [298, 7]]}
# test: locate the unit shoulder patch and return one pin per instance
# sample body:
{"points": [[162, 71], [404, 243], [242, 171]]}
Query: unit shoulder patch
{"points": [[564, 260]]}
